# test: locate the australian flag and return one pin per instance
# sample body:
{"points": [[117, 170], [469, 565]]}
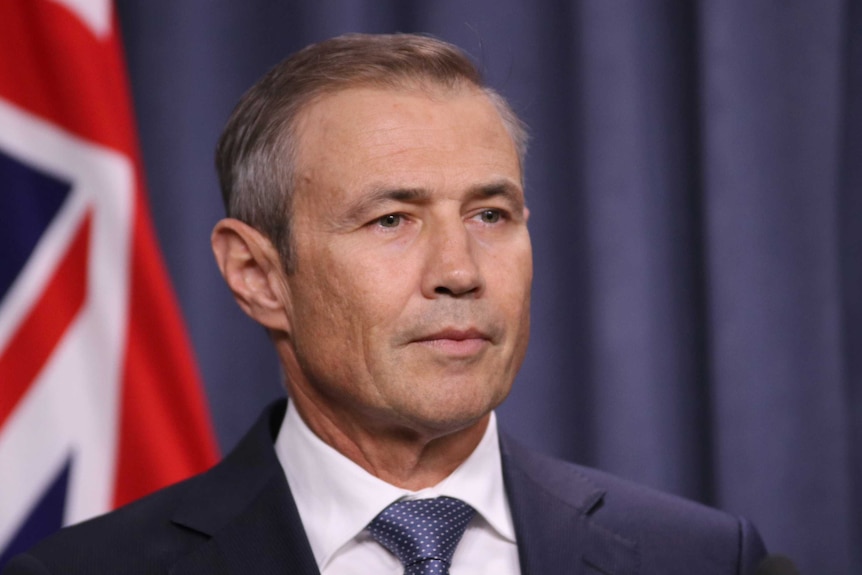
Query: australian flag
{"points": [[100, 400]]}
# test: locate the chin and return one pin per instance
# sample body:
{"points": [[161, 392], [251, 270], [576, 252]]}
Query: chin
{"points": [[454, 412]]}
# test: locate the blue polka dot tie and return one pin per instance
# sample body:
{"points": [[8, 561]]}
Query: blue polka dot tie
{"points": [[422, 533]]}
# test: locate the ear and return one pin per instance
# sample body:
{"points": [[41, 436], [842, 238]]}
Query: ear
{"points": [[250, 265]]}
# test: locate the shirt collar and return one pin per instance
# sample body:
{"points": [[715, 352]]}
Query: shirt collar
{"points": [[336, 498]]}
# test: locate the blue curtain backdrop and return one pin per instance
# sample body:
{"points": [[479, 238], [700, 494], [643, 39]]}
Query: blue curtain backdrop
{"points": [[695, 181]]}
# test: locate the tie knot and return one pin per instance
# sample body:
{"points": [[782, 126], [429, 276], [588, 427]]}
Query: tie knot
{"points": [[422, 533]]}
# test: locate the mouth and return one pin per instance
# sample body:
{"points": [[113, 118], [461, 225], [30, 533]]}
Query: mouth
{"points": [[456, 342]]}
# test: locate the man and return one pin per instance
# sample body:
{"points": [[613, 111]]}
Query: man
{"points": [[377, 229]]}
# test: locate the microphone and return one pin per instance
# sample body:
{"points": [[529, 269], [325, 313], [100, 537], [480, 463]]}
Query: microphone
{"points": [[776, 565]]}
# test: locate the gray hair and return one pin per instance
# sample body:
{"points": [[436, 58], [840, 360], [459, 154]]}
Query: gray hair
{"points": [[256, 152]]}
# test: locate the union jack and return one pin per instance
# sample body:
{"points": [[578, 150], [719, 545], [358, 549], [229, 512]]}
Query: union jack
{"points": [[100, 399]]}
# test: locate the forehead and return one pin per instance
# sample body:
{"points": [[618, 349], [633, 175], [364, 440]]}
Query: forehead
{"points": [[364, 132]]}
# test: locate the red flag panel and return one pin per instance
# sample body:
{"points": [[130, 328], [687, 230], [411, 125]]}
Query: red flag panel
{"points": [[65, 110]]}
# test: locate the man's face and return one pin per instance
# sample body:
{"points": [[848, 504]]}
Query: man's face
{"points": [[409, 304]]}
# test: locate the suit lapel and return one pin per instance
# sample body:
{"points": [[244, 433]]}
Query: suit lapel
{"points": [[555, 512], [245, 507]]}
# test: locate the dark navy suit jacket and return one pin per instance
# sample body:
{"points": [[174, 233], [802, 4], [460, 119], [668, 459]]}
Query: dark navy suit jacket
{"points": [[240, 518]]}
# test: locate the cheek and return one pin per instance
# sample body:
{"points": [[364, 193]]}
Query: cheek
{"points": [[347, 300], [381, 284], [320, 310], [511, 275]]}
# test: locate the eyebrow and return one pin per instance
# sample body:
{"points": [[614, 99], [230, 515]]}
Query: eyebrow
{"points": [[501, 188], [358, 210], [380, 196]]}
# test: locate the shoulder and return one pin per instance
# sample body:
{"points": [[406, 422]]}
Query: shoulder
{"points": [[668, 532]]}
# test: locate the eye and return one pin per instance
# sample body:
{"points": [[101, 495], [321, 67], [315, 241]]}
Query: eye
{"points": [[490, 216], [389, 221]]}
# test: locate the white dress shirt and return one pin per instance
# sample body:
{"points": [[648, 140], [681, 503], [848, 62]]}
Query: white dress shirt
{"points": [[336, 499]]}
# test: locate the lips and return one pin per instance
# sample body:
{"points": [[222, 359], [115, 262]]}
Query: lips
{"points": [[455, 334], [455, 341]]}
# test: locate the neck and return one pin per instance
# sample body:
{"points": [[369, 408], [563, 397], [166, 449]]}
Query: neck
{"points": [[408, 455]]}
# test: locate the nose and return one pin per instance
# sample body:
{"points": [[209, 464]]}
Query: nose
{"points": [[452, 269]]}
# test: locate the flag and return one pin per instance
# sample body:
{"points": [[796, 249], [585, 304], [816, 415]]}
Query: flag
{"points": [[100, 399]]}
